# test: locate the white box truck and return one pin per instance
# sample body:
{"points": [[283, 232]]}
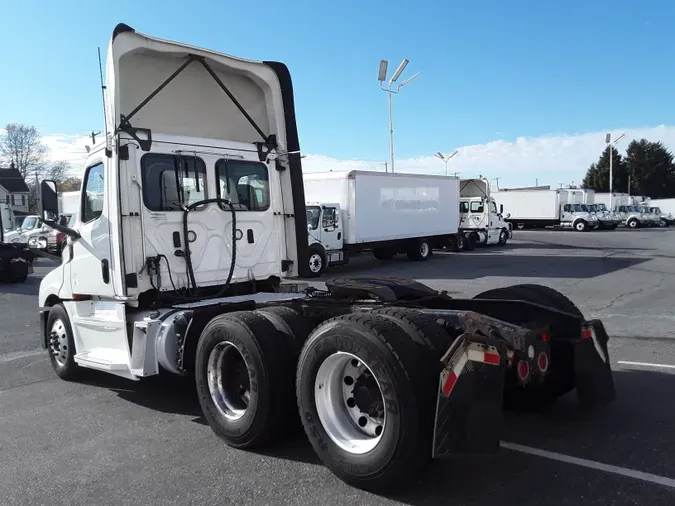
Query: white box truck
{"points": [[355, 211], [662, 209], [165, 274], [607, 219], [624, 207], [543, 208], [481, 220]]}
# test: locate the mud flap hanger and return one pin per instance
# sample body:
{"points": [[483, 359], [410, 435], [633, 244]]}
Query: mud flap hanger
{"points": [[269, 141]]}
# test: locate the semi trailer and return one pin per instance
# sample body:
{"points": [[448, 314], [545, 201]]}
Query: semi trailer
{"points": [[355, 211], [184, 258], [545, 208], [480, 214]]}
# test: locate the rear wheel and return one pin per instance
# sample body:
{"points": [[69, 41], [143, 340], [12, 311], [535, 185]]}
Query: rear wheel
{"points": [[419, 250], [560, 378], [470, 241], [366, 397], [244, 376]]}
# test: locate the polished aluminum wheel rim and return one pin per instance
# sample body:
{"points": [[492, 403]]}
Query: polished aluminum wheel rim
{"points": [[315, 263], [350, 403], [59, 342], [228, 380]]}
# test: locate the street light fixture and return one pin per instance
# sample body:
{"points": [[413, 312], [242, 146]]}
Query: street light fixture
{"points": [[382, 77], [610, 143], [445, 158]]}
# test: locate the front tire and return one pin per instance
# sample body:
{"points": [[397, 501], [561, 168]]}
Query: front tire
{"points": [[503, 236], [317, 261], [61, 344], [633, 223], [366, 398], [580, 226]]}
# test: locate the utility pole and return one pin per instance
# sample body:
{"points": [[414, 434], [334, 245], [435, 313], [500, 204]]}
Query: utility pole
{"points": [[536, 182], [610, 145], [385, 167], [497, 180]]}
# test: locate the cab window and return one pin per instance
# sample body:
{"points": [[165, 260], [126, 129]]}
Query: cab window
{"points": [[463, 207], [172, 180], [93, 195], [477, 206], [493, 207], [329, 218], [245, 184]]}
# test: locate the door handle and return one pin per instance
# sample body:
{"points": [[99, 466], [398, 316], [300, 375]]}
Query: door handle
{"points": [[105, 271]]}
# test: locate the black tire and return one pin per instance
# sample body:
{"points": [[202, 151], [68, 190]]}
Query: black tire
{"points": [[422, 328], [470, 241], [316, 261], [580, 226], [663, 224], [560, 378], [419, 250], [503, 236], [64, 366], [633, 223], [270, 378], [411, 388], [294, 326], [384, 253]]}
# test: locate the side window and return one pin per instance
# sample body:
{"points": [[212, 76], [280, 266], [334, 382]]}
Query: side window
{"points": [[567, 208], [172, 180], [463, 207], [493, 207], [476, 207], [622, 209], [92, 199], [330, 217], [245, 184]]}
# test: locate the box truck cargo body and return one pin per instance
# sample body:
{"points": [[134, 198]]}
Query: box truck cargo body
{"points": [[355, 211], [542, 208]]}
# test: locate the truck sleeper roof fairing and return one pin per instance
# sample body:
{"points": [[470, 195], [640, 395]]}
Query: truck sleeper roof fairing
{"points": [[154, 86]]}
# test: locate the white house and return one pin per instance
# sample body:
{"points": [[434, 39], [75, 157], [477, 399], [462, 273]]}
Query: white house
{"points": [[14, 191]]}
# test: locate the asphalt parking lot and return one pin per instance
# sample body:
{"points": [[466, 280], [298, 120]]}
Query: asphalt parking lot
{"points": [[109, 441]]}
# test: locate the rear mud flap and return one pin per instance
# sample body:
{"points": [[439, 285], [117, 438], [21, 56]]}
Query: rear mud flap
{"points": [[470, 396], [595, 384]]}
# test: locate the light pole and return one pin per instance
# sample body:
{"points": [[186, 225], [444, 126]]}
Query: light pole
{"points": [[382, 76], [445, 158], [610, 143]]}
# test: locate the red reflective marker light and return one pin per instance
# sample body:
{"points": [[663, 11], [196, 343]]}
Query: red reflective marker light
{"points": [[542, 362], [544, 337], [523, 369]]}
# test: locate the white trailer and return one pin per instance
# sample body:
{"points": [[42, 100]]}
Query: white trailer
{"points": [[182, 262], [542, 208], [355, 211]]}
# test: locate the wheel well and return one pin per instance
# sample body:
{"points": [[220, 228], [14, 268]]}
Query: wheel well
{"points": [[51, 301]]}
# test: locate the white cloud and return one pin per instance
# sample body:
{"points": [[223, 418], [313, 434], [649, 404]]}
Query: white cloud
{"points": [[552, 159]]}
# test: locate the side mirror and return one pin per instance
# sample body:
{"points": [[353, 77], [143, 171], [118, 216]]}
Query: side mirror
{"points": [[508, 215], [49, 208], [49, 201], [501, 208]]}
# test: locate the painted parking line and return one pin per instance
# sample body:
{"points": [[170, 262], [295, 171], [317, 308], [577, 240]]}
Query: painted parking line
{"points": [[591, 464], [16, 355], [645, 364]]}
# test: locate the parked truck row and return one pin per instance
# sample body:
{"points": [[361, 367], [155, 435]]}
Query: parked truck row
{"points": [[184, 257], [579, 209]]}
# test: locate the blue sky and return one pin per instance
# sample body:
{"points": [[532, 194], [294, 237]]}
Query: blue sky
{"points": [[491, 70]]}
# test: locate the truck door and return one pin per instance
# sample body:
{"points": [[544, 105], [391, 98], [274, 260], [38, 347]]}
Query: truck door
{"points": [[494, 228], [331, 228], [91, 264]]}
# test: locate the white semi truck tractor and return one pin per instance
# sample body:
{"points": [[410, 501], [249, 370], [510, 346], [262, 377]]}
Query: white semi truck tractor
{"points": [[480, 215], [192, 228]]}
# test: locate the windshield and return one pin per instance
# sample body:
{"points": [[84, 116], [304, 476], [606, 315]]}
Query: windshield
{"points": [[579, 208], [29, 223], [313, 216], [600, 207], [593, 208]]}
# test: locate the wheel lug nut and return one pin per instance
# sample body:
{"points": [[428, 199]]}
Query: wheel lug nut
{"points": [[351, 402]]}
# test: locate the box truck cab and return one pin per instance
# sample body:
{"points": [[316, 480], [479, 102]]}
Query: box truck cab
{"points": [[662, 219], [479, 213], [606, 218]]}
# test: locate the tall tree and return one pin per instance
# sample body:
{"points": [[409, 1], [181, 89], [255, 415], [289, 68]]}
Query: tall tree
{"points": [[651, 169], [21, 145], [597, 175]]}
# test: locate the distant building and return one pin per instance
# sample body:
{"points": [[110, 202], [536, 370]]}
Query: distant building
{"points": [[14, 191]]}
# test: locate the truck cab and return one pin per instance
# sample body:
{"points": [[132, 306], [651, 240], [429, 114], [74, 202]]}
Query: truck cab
{"points": [[479, 213], [579, 216], [324, 235], [606, 219], [632, 216], [663, 219]]}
